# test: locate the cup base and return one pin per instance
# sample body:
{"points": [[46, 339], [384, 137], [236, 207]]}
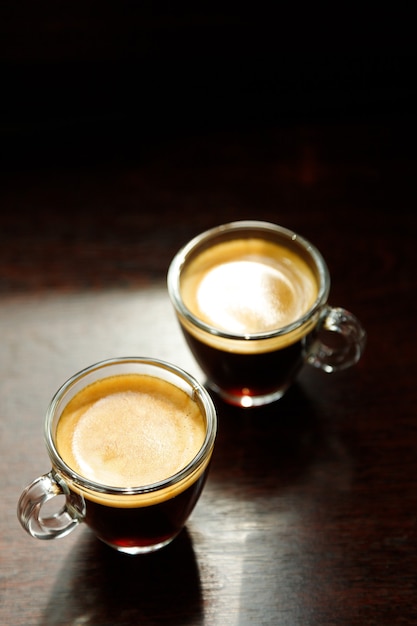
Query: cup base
{"points": [[136, 550], [246, 401]]}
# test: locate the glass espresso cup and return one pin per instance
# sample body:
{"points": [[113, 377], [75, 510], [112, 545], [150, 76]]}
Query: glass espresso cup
{"points": [[251, 300], [130, 442]]}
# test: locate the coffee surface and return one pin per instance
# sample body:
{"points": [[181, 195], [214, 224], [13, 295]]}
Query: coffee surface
{"points": [[129, 431], [248, 286]]}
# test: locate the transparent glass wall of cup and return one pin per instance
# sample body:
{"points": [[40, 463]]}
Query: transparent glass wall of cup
{"points": [[252, 369], [135, 520]]}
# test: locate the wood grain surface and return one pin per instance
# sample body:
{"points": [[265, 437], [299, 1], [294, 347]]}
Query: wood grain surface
{"points": [[309, 516]]}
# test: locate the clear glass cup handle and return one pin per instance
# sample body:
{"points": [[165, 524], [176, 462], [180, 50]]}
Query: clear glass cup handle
{"points": [[35, 496], [340, 341]]}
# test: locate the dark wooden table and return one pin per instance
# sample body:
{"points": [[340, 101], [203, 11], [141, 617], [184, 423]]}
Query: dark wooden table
{"points": [[309, 516]]}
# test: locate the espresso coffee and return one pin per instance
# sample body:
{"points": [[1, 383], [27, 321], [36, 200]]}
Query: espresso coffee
{"points": [[129, 431], [251, 299], [247, 288]]}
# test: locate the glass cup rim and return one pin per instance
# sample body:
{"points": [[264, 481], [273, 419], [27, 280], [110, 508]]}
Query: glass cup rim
{"points": [[197, 392], [180, 258]]}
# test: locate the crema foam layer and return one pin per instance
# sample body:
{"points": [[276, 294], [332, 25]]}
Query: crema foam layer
{"points": [[248, 286], [130, 430]]}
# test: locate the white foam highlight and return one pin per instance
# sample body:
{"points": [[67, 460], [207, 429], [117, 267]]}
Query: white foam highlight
{"points": [[247, 296]]}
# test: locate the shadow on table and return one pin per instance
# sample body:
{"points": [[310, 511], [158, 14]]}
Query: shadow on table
{"points": [[98, 585], [272, 446]]}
